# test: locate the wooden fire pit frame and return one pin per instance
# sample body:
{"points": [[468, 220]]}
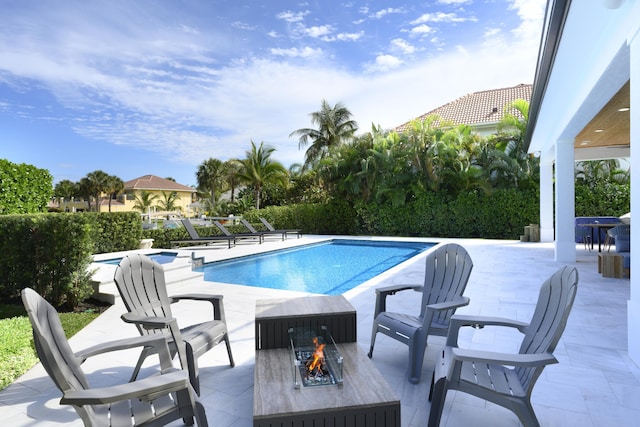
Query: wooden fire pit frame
{"points": [[365, 398]]}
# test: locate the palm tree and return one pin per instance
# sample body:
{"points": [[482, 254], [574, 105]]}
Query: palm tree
{"points": [[334, 128], [65, 189], [211, 179], [257, 169], [144, 201], [114, 186], [231, 169], [98, 184], [168, 201]]}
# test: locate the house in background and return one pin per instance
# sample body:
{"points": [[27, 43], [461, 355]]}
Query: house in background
{"points": [[157, 187], [585, 106], [481, 110]]}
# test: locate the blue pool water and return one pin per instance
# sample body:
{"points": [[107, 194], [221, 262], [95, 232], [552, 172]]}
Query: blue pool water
{"points": [[329, 268], [160, 257]]}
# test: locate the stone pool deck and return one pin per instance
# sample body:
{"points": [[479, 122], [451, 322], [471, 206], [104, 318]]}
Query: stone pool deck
{"points": [[595, 383]]}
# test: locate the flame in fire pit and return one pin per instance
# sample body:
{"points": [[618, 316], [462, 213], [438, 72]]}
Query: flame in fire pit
{"points": [[317, 358]]}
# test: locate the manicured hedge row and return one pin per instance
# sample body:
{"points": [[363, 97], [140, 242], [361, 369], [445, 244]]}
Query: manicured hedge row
{"points": [[51, 253], [502, 214]]}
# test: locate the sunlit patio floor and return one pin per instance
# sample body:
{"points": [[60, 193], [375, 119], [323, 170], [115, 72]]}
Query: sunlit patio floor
{"points": [[595, 383]]}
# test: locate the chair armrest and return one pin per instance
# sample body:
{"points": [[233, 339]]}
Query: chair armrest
{"points": [[148, 322], [509, 359], [215, 300], [159, 342], [393, 289], [196, 297], [449, 305], [457, 321], [144, 389], [384, 291]]}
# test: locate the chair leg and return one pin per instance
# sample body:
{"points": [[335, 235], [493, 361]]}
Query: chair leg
{"points": [[438, 396], [373, 339], [141, 359], [192, 366], [525, 413], [416, 359], [226, 341]]}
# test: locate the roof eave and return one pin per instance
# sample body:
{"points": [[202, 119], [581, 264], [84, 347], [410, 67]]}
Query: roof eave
{"points": [[555, 18]]}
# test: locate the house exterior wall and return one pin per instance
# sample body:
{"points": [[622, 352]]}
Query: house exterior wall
{"points": [[599, 52]]}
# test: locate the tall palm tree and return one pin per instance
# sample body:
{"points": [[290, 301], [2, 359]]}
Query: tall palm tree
{"points": [[65, 189], [335, 127], [114, 186], [98, 184], [258, 169], [231, 169], [211, 179]]}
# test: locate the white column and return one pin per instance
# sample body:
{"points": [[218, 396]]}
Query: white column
{"points": [[565, 248], [633, 308], [547, 233]]}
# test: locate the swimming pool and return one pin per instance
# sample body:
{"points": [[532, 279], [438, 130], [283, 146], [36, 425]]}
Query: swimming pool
{"points": [[159, 257], [329, 268]]}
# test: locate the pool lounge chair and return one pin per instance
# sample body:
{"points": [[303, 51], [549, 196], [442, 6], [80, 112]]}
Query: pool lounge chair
{"points": [[196, 238], [252, 229], [155, 400], [271, 228], [238, 236]]}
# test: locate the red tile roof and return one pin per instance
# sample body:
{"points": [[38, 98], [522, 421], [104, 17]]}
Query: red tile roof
{"points": [[479, 107], [152, 182]]}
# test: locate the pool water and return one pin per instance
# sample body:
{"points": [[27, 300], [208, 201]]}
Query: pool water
{"points": [[329, 268], [160, 257]]}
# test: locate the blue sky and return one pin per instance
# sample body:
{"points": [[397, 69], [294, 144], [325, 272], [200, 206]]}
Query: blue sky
{"points": [[157, 87]]}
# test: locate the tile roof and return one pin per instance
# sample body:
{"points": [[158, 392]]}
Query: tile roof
{"points": [[152, 182], [479, 107]]}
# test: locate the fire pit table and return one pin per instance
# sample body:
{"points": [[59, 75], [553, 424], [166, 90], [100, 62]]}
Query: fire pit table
{"points": [[361, 397]]}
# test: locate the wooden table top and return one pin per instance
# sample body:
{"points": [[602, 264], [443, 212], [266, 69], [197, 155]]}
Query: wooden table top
{"points": [[274, 392]]}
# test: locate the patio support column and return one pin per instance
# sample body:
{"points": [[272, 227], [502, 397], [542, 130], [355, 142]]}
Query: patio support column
{"points": [[565, 248], [546, 198], [633, 306]]}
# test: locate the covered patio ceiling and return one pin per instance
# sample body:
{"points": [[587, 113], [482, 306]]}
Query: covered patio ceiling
{"points": [[607, 135]]}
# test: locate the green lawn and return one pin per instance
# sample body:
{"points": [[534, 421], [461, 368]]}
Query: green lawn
{"points": [[17, 353]]}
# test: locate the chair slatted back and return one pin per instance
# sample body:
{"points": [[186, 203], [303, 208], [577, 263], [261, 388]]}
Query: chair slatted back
{"points": [[190, 229], [549, 319], [222, 228], [247, 224], [141, 283], [53, 349], [447, 272], [267, 224]]}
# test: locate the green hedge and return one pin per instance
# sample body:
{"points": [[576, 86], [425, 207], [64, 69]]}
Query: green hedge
{"points": [[116, 231], [50, 253], [24, 188], [604, 199]]}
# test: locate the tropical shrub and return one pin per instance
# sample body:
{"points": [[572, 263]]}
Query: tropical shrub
{"points": [[24, 188]]}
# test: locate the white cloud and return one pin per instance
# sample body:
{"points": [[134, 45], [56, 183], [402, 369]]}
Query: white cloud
{"points": [[349, 36], [384, 63], [291, 17], [294, 52], [403, 46], [440, 17], [318, 31], [381, 13], [421, 30]]}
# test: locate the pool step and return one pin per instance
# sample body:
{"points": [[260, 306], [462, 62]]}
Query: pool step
{"points": [[177, 273]]}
